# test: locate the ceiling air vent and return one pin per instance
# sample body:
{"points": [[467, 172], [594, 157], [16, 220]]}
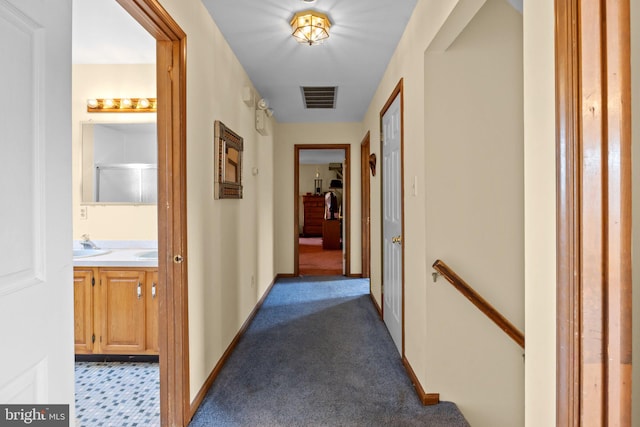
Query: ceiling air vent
{"points": [[319, 96]]}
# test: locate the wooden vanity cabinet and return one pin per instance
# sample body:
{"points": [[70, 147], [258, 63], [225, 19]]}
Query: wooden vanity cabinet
{"points": [[122, 311], [123, 318], [83, 310]]}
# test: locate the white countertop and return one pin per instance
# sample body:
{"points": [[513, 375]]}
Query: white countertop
{"points": [[127, 255]]}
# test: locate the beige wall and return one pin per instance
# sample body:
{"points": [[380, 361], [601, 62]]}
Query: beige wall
{"points": [[475, 213], [463, 142], [110, 222], [307, 174], [230, 242], [635, 159], [287, 135], [540, 213]]}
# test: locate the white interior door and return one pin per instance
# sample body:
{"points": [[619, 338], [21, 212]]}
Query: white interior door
{"points": [[36, 283], [392, 221]]}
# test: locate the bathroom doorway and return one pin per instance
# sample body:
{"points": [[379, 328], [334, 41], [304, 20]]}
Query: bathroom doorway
{"points": [[169, 51], [115, 194], [321, 209]]}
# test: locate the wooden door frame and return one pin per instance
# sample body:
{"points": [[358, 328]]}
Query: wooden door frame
{"points": [[593, 160], [172, 208], [346, 198], [365, 205], [397, 91]]}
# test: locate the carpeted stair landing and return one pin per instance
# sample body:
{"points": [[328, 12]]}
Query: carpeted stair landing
{"points": [[317, 354]]}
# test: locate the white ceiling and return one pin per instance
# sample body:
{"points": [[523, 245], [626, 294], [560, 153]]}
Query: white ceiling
{"points": [[104, 33], [363, 37]]}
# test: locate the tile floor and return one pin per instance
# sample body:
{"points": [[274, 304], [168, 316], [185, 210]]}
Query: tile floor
{"points": [[117, 394]]}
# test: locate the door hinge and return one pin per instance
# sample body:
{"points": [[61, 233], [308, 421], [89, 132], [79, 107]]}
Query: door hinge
{"points": [[93, 338], [93, 281]]}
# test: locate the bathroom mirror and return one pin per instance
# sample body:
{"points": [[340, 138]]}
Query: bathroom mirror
{"points": [[228, 162], [119, 163]]}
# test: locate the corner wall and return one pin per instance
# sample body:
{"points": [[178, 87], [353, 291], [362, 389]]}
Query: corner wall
{"points": [[230, 242], [475, 214], [540, 213]]}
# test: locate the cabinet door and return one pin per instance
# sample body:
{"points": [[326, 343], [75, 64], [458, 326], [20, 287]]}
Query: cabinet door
{"points": [[152, 312], [83, 311], [122, 311]]}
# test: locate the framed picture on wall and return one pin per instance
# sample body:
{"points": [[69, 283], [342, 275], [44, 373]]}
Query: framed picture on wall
{"points": [[228, 162]]}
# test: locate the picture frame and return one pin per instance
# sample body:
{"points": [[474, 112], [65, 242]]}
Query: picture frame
{"points": [[228, 150]]}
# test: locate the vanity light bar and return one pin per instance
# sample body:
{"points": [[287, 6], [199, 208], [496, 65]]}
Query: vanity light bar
{"points": [[121, 105]]}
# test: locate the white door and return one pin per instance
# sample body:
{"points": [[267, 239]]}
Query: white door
{"points": [[392, 221], [36, 283]]}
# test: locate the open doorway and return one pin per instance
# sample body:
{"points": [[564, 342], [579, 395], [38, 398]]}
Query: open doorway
{"points": [[115, 165], [171, 282], [321, 210]]}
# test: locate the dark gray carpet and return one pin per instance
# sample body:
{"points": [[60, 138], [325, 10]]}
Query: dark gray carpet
{"points": [[317, 354]]}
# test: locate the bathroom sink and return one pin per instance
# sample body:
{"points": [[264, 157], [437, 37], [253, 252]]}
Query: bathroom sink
{"points": [[148, 254], [83, 253]]}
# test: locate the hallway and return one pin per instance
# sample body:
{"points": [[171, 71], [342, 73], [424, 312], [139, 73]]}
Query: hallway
{"points": [[317, 353]]}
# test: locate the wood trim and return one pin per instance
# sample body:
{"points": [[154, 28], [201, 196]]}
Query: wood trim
{"points": [[285, 276], [476, 299], [230, 349], [365, 205], [154, 18], [567, 217], [397, 91], [296, 212], [376, 305], [172, 215], [593, 141], [426, 398], [346, 197]]}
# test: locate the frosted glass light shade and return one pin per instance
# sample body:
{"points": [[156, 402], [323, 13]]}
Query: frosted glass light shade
{"points": [[310, 27]]}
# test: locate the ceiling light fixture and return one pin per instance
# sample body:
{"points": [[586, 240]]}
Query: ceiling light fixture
{"points": [[310, 27]]}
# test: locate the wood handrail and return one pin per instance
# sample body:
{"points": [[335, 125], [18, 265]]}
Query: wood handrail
{"points": [[479, 302]]}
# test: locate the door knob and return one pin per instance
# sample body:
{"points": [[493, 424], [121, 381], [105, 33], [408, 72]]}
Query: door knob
{"points": [[396, 239], [178, 259]]}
